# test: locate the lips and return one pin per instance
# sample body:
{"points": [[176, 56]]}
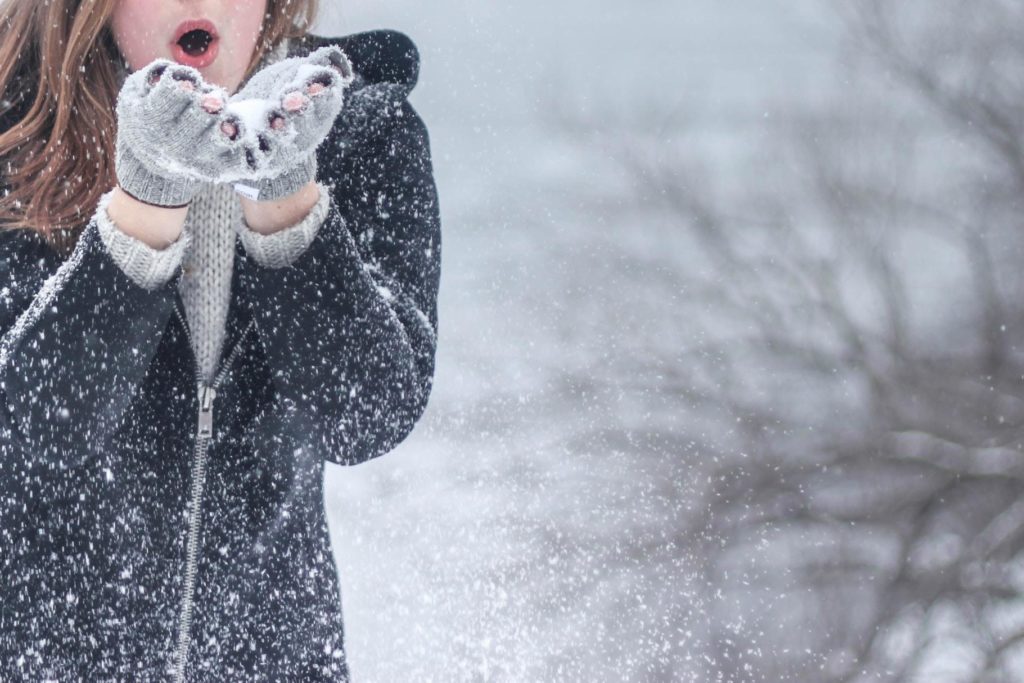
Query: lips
{"points": [[195, 43]]}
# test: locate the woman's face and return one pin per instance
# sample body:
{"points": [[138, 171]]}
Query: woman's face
{"points": [[217, 37]]}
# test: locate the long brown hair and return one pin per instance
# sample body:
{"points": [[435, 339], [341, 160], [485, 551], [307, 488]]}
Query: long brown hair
{"points": [[59, 78]]}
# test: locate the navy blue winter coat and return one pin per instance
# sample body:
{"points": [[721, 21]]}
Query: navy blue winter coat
{"points": [[154, 530]]}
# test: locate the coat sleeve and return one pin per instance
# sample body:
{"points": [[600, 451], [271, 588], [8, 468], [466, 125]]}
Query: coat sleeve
{"points": [[349, 328], [77, 339]]}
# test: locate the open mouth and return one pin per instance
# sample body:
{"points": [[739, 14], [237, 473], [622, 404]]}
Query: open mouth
{"points": [[195, 43]]}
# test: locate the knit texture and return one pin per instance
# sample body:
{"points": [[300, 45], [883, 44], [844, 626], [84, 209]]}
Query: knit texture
{"points": [[144, 264], [281, 248], [206, 252], [286, 160], [205, 284], [167, 144]]}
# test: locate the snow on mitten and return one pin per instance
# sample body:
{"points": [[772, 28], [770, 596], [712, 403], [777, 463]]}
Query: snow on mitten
{"points": [[283, 114], [171, 134]]}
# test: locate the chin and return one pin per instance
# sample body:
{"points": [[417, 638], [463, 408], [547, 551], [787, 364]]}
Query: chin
{"points": [[219, 78]]}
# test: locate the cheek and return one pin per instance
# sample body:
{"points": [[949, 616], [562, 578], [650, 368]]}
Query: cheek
{"points": [[246, 20], [138, 30], [239, 33]]}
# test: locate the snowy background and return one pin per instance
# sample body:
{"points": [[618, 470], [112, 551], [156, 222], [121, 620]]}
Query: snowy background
{"points": [[515, 536], [695, 302]]}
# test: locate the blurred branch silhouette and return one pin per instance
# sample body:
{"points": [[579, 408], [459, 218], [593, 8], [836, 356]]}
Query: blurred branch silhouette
{"points": [[846, 325]]}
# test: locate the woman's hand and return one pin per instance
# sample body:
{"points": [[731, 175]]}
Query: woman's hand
{"points": [[176, 131], [172, 134], [283, 114]]}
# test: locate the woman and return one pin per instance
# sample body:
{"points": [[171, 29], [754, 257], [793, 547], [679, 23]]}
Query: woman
{"points": [[170, 392]]}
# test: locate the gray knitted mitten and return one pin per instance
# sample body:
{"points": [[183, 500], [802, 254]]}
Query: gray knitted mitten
{"points": [[282, 115], [171, 134]]}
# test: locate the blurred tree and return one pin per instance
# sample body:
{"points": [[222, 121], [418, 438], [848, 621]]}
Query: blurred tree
{"points": [[847, 326]]}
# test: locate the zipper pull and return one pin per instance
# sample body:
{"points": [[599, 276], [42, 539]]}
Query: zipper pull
{"points": [[206, 396]]}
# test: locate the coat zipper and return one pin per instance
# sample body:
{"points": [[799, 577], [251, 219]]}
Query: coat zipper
{"points": [[204, 432]]}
